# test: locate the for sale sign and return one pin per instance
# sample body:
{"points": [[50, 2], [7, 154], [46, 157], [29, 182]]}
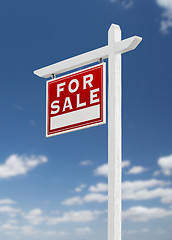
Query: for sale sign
{"points": [[76, 101]]}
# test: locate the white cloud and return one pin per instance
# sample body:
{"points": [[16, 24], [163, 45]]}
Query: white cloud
{"points": [[17, 230], [140, 190], [136, 190], [86, 163], [133, 190], [95, 197], [9, 226], [6, 201], [137, 185], [62, 234], [91, 197], [100, 187], [156, 173], [164, 194], [103, 169], [75, 216], [145, 230], [28, 230], [126, 163], [51, 233], [143, 214], [9, 210], [82, 231], [137, 170], [167, 4], [12, 221], [160, 232], [166, 21], [54, 233], [166, 164], [19, 165], [125, 3], [73, 201], [80, 188], [35, 216], [132, 231]]}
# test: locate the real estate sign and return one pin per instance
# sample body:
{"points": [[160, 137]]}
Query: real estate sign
{"points": [[76, 101]]}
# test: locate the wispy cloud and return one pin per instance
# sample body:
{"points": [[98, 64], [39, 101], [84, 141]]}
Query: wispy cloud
{"points": [[131, 190], [88, 198], [73, 201], [126, 163], [100, 187], [166, 165], [80, 188], [75, 216], [142, 184], [125, 3], [166, 21], [137, 170], [51, 233], [142, 190], [166, 18], [156, 173], [9, 226], [86, 163], [101, 170], [82, 231], [55, 234], [20, 165], [28, 230], [6, 201], [95, 197], [143, 214], [9, 210], [35, 216], [145, 230]]}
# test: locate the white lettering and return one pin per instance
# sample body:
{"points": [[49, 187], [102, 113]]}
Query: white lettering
{"points": [[76, 88], [78, 102], [67, 104], [92, 96], [54, 105], [87, 80], [60, 88]]}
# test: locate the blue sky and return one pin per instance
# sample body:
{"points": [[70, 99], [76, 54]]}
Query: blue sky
{"points": [[56, 188]]}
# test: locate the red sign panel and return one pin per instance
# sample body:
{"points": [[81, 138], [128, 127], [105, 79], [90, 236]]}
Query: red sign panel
{"points": [[76, 101]]}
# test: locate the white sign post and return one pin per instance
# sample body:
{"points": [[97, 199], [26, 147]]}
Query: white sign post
{"points": [[114, 136], [113, 52]]}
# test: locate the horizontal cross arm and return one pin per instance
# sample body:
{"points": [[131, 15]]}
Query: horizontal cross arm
{"points": [[87, 58], [72, 63], [128, 44]]}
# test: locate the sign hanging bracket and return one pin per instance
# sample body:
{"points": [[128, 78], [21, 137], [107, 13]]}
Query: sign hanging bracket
{"points": [[101, 60], [53, 76]]}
